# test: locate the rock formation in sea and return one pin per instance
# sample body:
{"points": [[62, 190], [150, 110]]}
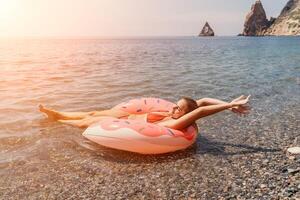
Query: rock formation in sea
{"points": [[256, 21], [288, 22], [207, 31]]}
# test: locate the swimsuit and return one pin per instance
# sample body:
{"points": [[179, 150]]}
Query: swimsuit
{"points": [[147, 117]]}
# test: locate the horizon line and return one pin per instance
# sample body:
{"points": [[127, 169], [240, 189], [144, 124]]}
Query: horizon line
{"points": [[113, 36]]}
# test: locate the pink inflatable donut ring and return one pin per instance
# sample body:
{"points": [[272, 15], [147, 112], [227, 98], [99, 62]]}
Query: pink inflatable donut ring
{"points": [[138, 136]]}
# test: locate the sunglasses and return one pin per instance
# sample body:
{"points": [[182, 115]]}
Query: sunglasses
{"points": [[177, 107]]}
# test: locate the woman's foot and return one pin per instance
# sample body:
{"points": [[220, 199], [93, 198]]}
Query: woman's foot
{"points": [[51, 114]]}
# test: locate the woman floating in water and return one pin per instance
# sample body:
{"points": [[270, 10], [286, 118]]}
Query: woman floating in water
{"points": [[185, 113]]}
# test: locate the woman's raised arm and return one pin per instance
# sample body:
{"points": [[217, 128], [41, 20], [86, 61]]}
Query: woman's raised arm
{"points": [[200, 112], [209, 101]]}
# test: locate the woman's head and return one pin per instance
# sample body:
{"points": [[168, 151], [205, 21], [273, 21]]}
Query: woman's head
{"points": [[183, 106]]}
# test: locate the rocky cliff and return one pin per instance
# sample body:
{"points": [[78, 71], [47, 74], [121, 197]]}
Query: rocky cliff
{"points": [[288, 22], [207, 30], [256, 21]]}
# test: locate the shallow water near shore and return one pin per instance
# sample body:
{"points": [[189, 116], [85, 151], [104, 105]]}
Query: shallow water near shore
{"points": [[233, 155]]}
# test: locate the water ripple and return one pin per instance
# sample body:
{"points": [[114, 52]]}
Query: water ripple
{"points": [[82, 75]]}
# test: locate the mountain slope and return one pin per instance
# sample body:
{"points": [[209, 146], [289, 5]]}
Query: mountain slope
{"points": [[288, 22]]}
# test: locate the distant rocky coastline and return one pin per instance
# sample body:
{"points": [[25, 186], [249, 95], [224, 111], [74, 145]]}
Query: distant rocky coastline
{"points": [[287, 23], [207, 31], [256, 21]]}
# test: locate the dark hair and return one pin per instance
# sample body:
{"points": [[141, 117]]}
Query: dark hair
{"points": [[191, 104]]}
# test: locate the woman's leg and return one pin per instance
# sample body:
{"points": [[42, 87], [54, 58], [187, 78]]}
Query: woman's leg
{"points": [[75, 123], [83, 123], [56, 115]]}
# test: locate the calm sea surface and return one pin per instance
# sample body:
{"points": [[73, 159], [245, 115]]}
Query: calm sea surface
{"points": [[95, 74]]}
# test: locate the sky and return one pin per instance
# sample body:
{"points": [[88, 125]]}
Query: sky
{"points": [[122, 18]]}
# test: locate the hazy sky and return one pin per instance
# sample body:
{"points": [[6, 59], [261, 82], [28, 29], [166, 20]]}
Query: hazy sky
{"points": [[125, 17]]}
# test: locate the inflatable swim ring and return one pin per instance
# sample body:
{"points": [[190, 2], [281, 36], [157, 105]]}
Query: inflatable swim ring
{"points": [[138, 136]]}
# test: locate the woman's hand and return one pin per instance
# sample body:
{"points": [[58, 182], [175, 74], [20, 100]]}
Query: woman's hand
{"points": [[240, 101], [239, 98], [239, 105]]}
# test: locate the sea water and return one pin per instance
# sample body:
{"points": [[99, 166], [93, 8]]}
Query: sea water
{"points": [[97, 73]]}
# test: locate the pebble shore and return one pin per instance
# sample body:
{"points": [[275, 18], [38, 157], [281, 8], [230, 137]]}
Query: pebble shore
{"points": [[233, 158]]}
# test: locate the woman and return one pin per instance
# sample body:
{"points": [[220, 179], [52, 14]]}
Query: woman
{"points": [[186, 112]]}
